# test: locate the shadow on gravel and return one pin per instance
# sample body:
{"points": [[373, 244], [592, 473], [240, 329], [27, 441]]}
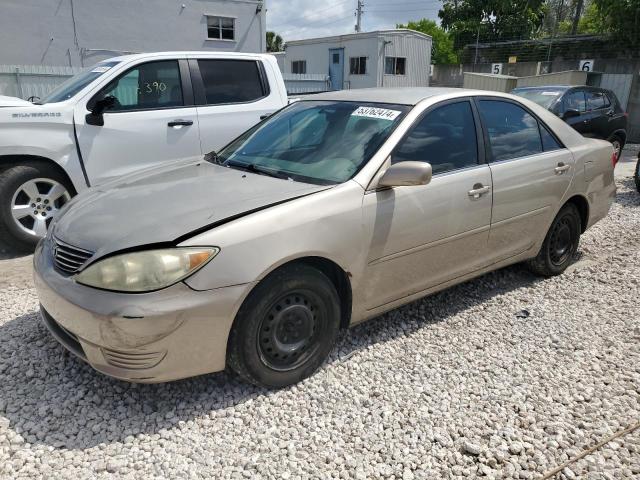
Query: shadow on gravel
{"points": [[53, 398], [630, 197]]}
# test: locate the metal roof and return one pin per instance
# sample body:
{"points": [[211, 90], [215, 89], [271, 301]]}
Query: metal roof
{"points": [[401, 96], [354, 36]]}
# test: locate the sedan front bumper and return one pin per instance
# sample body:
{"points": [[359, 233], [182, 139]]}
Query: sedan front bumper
{"points": [[150, 337]]}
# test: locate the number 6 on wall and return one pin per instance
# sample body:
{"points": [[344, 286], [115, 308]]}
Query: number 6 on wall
{"points": [[586, 65]]}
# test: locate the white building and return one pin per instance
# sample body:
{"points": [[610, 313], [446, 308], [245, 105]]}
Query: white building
{"points": [[386, 58], [79, 33]]}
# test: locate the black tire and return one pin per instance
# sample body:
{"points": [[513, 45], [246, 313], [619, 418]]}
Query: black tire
{"points": [[11, 179], [286, 328], [636, 176], [560, 244]]}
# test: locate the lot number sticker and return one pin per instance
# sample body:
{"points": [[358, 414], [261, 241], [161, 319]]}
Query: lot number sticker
{"points": [[379, 113], [496, 68]]}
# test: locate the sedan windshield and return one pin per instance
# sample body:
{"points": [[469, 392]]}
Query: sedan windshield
{"points": [[76, 83], [545, 97], [320, 142]]}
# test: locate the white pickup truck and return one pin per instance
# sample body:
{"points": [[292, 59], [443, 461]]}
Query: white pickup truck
{"points": [[122, 115]]}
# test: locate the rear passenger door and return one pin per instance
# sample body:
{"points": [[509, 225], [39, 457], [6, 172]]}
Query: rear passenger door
{"points": [[600, 112], [531, 172], [231, 96], [422, 236]]}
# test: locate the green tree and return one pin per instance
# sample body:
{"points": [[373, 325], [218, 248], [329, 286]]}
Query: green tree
{"points": [[591, 21], [491, 20], [274, 42], [622, 19], [442, 50]]}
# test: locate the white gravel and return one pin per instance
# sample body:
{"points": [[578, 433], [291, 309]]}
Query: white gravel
{"points": [[453, 386]]}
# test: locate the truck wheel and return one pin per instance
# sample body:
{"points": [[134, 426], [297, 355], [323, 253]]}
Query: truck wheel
{"points": [[286, 327], [30, 198]]}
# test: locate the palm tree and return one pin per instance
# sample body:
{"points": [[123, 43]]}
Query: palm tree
{"points": [[274, 42]]}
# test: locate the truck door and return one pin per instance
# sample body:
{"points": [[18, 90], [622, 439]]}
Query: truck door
{"points": [[152, 120]]}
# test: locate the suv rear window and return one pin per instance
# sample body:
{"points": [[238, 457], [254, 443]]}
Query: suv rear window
{"points": [[231, 81]]}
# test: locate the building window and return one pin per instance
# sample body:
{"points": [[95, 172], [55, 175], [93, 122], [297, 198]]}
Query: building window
{"points": [[220, 28], [299, 66], [395, 65], [358, 65], [336, 58]]}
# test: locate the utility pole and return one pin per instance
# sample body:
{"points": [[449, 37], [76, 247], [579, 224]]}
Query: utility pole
{"points": [[359, 13]]}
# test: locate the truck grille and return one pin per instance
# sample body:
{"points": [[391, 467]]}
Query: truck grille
{"points": [[69, 259]]}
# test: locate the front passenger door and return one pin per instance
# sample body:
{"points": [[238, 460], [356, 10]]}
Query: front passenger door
{"points": [[423, 236], [153, 121]]}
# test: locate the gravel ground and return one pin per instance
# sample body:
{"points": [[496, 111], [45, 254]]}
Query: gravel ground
{"points": [[459, 385]]}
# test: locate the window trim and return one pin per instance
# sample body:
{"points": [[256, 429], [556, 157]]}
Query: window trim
{"points": [[394, 67], [481, 158], [303, 62], [487, 143], [360, 57], [220, 17], [200, 93], [185, 84]]}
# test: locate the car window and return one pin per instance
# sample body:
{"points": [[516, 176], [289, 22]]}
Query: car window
{"points": [[76, 83], [544, 96], [513, 132], [607, 100], [595, 100], [549, 142], [444, 137], [576, 101], [147, 86], [231, 81]]}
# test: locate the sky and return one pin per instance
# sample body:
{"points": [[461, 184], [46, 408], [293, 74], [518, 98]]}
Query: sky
{"points": [[299, 19]]}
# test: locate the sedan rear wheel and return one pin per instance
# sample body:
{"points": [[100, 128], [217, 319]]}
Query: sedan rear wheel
{"points": [[286, 328], [30, 199], [560, 244]]}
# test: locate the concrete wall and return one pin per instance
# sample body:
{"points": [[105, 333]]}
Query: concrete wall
{"points": [[82, 32], [374, 45]]}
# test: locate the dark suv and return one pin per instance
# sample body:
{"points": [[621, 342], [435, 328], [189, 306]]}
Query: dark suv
{"points": [[594, 112]]}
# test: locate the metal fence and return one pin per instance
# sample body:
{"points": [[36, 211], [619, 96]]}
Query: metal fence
{"points": [[25, 81], [306, 83]]}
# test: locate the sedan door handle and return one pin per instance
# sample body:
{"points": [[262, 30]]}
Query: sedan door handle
{"points": [[478, 190], [561, 168], [180, 123]]}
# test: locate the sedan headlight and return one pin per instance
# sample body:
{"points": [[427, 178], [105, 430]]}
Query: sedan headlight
{"points": [[147, 270]]}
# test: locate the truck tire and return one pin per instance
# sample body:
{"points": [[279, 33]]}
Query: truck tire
{"points": [[30, 197]]}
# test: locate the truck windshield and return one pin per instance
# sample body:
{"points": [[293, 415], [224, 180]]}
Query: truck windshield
{"points": [[76, 83], [545, 97], [320, 142]]}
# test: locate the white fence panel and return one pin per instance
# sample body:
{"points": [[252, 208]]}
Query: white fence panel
{"points": [[25, 81], [306, 83]]}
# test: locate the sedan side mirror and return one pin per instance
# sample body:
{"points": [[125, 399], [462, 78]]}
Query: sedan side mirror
{"points": [[406, 174], [570, 113], [95, 117]]}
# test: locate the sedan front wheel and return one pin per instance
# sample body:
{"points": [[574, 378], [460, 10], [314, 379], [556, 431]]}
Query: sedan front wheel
{"points": [[286, 328]]}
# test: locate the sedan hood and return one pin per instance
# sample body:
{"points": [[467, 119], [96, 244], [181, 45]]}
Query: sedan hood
{"points": [[163, 205]]}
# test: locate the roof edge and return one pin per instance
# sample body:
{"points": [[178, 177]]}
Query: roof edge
{"points": [[349, 36]]}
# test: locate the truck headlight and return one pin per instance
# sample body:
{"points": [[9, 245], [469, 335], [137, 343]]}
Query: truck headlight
{"points": [[147, 270]]}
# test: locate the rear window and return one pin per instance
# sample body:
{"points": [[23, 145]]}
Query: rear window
{"points": [[545, 97], [231, 81]]}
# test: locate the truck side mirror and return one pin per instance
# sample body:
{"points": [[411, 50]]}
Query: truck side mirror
{"points": [[95, 117]]}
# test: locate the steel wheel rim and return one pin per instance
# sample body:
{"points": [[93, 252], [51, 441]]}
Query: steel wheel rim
{"points": [[288, 333], [36, 203], [561, 244]]}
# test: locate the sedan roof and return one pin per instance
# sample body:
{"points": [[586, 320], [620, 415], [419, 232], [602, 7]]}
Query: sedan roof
{"points": [[401, 96]]}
